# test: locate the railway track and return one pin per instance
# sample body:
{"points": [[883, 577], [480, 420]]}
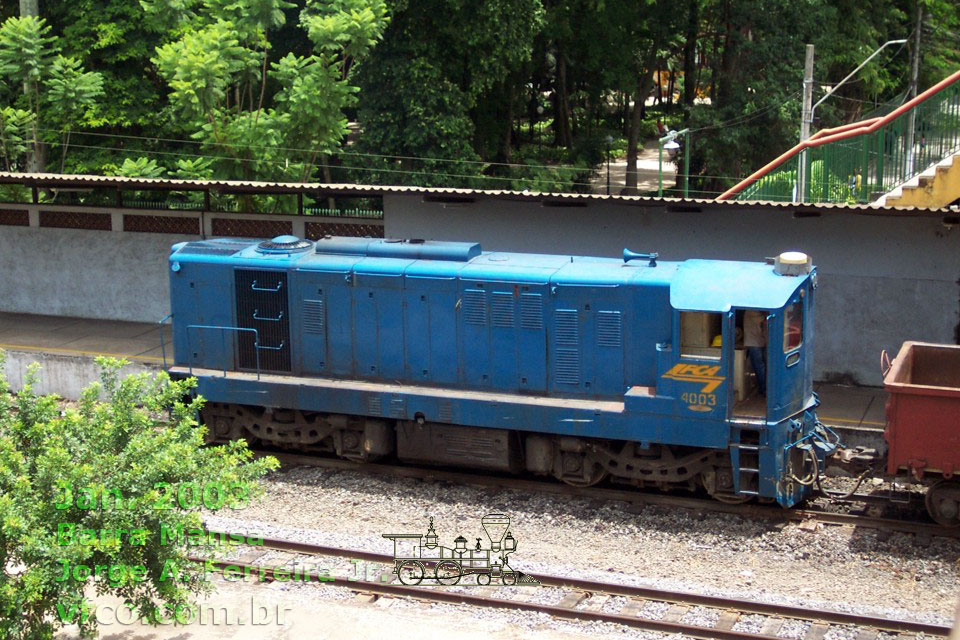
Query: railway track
{"points": [[590, 600], [637, 497]]}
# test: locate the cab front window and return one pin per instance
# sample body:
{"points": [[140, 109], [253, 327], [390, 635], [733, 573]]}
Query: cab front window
{"points": [[793, 327]]}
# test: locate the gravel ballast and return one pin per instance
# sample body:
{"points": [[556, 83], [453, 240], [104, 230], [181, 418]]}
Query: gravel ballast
{"points": [[845, 568]]}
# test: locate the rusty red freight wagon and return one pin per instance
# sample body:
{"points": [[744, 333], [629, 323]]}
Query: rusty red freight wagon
{"points": [[923, 423]]}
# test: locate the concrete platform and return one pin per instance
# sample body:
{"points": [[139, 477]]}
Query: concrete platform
{"points": [[66, 347]]}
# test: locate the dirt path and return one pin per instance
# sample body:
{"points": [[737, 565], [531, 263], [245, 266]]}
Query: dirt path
{"points": [[647, 172]]}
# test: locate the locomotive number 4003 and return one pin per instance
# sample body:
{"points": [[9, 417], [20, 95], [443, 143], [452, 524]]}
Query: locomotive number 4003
{"points": [[700, 400]]}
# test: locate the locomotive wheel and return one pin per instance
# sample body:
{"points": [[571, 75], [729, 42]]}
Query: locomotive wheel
{"points": [[719, 484], [729, 498], [509, 579], [943, 503], [483, 579], [410, 573], [590, 477], [448, 572]]}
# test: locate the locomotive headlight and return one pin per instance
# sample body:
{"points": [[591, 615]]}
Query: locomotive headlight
{"points": [[792, 263]]}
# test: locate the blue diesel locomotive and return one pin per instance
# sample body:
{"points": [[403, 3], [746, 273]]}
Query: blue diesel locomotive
{"points": [[437, 353]]}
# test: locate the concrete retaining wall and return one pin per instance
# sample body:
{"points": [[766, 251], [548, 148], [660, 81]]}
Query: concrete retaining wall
{"points": [[883, 279], [87, 274], [65, 375]]}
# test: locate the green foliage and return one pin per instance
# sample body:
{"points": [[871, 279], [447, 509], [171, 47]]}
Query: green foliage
{"points": [[16, 126], [52, 88], [114, 39], [25, 51], [419, 98], [263, 119], [201, 66], [141, 435], [193, 169], [71, 91], [139, 168]]}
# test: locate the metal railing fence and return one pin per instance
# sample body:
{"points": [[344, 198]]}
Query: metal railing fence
{"points": [[858, 163]]}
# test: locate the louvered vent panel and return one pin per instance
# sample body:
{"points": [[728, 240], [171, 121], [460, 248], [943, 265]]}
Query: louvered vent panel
{"points": [[531, 311], [374, 406], [568, 366], [566, 327], [501, 309], [445, 411], [475, 306], [609, 329], [398, 407], [313, 317]]}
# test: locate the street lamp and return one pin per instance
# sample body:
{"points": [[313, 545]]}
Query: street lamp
{"points": [[850, 75], [670, 143], [806, 122], [539, 129], [609, 142]]}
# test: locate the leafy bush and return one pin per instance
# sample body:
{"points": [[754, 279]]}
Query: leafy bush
{"points": [[142, 436]]}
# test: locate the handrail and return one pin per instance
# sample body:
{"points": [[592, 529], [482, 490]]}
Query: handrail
{"points": [[222, 329], [163, 346], [835, 134]]}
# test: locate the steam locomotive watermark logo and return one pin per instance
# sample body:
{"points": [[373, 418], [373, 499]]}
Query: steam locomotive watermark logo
{"points": [[418, 557]]}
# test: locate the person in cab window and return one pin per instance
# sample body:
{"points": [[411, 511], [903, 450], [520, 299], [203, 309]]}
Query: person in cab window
{"points": [[755, 341]]}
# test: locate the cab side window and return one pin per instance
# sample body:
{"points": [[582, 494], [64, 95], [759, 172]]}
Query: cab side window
{"points": [[793, 327], [700, 333]]}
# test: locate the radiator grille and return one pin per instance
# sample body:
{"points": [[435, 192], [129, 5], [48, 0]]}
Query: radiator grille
{"points": [[609, 329], [475, 306], [262, 305], [313, 317], [501, 309]]}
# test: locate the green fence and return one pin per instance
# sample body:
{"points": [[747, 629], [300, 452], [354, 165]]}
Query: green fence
{"points": [[862, 168]]}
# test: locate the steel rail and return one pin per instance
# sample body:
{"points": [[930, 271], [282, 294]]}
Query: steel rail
{"points": [[623, 495], [595, 587]]}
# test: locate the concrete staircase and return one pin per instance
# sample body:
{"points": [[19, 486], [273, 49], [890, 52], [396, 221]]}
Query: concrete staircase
{"points": [[937, 186]]}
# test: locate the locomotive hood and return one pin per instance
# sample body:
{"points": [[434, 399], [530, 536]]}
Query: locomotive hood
{"points": [[704, 285]]}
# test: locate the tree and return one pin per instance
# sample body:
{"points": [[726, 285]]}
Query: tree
{"points": [[444, 85], [52, 91], [142, 445], [220, 76]]}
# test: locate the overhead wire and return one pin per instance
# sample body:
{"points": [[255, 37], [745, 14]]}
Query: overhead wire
{"points": [[305, 150], [744, 118], [332, 166]]}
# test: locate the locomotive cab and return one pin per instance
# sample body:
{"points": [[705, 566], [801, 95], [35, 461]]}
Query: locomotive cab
{"points": [[745, 359]]}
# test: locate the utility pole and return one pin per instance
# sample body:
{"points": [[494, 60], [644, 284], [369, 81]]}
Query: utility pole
{"points": [[35, 159], [914, 74], [806, 122]]}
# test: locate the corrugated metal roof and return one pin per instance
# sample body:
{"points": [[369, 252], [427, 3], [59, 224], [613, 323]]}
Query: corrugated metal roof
{"points": [[55, 180]]}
